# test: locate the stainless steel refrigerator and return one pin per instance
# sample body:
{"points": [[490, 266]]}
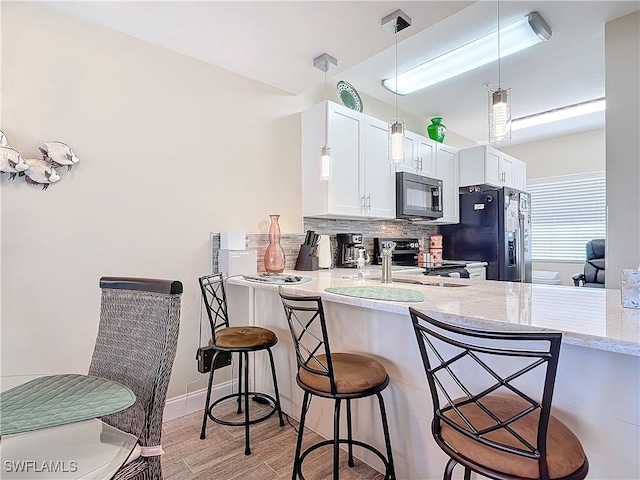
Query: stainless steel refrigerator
{"points": [[495, 227]]}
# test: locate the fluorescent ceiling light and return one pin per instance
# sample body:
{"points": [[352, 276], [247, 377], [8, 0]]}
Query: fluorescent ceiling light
{"points": [[563, 113], [514, 37]]}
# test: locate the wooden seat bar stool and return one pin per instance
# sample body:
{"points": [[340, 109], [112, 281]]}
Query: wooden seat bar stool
{"points": [[337, 376], [227, 340], [492, 394]]}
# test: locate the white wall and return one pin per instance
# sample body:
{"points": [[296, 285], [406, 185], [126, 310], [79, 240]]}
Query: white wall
{"points": [[622, 78], [170, 149], [567, 155], [384, 111]]}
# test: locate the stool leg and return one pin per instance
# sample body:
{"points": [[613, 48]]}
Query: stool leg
{"points": [[206, 402], [303, 414], [467, 473], [275, 387], [387, 438], [448, 471], [349, 432], [247, 450], [240, 384], [336, 439]]}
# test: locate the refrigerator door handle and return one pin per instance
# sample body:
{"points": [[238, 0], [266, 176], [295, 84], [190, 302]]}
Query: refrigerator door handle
{"points": [[521, 265]]}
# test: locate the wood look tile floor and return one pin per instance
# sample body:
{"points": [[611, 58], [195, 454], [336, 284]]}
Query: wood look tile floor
{"points": [[221, 456]]}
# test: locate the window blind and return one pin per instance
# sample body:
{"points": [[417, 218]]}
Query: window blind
{"points": [[566, 212]]}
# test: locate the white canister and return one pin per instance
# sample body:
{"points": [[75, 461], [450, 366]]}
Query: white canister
{"points": [[323, 252]]}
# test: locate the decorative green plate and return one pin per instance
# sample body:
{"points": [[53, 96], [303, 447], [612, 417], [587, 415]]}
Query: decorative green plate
{"points": [[349, 96]]}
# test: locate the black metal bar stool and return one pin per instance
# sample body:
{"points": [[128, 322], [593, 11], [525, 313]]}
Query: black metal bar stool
{"points": [[493, 427], [339, 376], [226, 340]]}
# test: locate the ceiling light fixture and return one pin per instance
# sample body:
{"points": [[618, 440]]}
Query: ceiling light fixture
{"points": [[563, 113], [396, 22], [322, 63], [523, 33], [499, 102]]}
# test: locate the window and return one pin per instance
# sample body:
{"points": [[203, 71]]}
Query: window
{"points": [[566, 212]]}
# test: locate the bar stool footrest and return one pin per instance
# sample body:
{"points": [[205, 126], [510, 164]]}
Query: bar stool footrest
{"points": [[315, 446], [271, 401]]}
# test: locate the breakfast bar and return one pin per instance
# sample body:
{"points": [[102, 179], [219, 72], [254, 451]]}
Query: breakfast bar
{"points": [[597, 392]]}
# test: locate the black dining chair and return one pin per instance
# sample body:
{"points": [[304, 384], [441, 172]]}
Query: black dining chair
{"points": [[594, 268], [336, 376], [483, 418], [136, 346], [227, 340]]}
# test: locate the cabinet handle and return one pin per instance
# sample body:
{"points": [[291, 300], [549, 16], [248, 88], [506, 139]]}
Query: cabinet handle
{"points": [[369, 202], [363, 204], [420, 159]]}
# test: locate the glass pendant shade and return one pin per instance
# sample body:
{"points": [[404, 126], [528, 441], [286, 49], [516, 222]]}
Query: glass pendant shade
{"points": [[396, 142], [325, 163], [499, 115]]}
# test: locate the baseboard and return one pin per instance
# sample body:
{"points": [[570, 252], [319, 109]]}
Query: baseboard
{"points": [[194, 401]]}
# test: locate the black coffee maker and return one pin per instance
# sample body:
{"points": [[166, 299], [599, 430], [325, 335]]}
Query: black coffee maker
{"points": [[349, 248]]}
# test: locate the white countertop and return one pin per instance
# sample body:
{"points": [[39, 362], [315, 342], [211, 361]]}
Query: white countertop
{"points": [[587, 317]]}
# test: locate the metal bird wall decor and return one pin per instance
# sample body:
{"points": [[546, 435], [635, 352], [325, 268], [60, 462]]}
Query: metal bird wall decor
{"points": [[34, 170]]}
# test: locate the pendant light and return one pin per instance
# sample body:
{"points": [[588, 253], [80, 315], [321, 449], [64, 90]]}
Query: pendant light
{"points": [[396, 22], [322, 63], [499, 103]]}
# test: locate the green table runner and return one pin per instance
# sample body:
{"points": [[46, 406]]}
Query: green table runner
{"points": [[391, 294], [60, 399]]}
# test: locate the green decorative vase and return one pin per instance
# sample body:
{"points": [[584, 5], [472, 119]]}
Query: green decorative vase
{"points": [[436, 130]]}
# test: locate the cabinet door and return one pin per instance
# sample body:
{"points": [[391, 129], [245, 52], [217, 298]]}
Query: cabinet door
{"points": [[492, 167], [379, 174], [426, 157], [506, 166], [447, 171], [410, 163], [346, 137], [519, 175], [419, 155]]}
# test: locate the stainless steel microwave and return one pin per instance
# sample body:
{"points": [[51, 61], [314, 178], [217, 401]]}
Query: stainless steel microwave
{"points": [[418, 197]]}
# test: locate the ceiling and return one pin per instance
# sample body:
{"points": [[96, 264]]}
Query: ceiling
{"points": [[275, 42]]}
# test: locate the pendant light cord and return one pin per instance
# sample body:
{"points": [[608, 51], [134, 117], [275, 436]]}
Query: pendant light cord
{"points": [[396, 89], [326, 117], [498, 21]]}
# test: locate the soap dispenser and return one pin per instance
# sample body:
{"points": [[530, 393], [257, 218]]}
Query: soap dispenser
{"points": [[360, 264]]}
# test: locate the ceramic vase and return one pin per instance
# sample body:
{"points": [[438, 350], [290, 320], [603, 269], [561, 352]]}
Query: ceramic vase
{"points": [[274, 258], [436, 130]]}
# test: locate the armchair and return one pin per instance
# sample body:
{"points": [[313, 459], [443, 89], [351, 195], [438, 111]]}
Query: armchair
{"points": [[593, 275]]}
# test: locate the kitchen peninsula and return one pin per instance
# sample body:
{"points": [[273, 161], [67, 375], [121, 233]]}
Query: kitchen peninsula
{"points": [[597, 385]]}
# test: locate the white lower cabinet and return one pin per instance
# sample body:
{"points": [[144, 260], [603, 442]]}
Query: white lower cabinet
{"points": [[362, 183]]}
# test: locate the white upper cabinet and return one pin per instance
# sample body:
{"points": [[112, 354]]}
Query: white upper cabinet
{"points": [[379, 175], [447, 171], [362, 182], [419, 155], [484, 165]]}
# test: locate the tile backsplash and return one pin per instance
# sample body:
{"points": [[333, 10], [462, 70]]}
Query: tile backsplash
{"points": [[324, 226], [370, 229]]}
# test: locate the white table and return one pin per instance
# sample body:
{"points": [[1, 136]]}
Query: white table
{"points": [[89, 449]]}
